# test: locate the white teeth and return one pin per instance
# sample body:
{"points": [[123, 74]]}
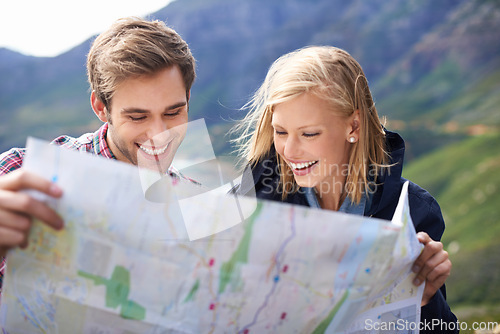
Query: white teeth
{"points": [[155, 151], [303, 164]]}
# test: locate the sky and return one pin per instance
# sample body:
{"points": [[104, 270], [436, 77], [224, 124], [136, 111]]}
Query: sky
{"points": [[47, 28]]}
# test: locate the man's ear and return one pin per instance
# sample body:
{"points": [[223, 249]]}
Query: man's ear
{"points": [[98, 107]]}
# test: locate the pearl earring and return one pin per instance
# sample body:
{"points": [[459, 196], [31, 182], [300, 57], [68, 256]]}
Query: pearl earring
{"points": [[352, 139]]}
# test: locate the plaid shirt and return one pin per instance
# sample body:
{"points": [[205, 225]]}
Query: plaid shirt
{"points": [[94, 143]]}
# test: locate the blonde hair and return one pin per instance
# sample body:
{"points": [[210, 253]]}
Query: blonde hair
{"points": [[335, 76], [133, 47]]}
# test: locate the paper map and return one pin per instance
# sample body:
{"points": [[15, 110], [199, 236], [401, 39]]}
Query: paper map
{"points": [[125, 264]]}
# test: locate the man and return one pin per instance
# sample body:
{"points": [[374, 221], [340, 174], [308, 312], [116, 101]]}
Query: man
{"points": [[140, 74]]}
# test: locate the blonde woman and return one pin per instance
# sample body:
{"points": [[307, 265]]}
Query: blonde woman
{"points": [[313, 137]]}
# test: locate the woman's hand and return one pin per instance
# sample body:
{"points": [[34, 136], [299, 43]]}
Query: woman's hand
{"points": [[432, 266]]}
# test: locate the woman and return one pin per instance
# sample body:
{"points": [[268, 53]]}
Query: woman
{"points": [[313, 137]]}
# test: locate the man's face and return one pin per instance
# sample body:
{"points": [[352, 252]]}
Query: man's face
{"points": [[148, 119]]}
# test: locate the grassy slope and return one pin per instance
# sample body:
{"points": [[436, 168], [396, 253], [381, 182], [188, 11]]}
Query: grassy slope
{"points": [[465, 180], [445, 94]]}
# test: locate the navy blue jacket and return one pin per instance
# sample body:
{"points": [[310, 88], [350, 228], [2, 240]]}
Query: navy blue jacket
{"points": [[424, 211]]}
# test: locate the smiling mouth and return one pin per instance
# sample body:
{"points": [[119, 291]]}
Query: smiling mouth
{"points": [[153, 150], [302, 165]]}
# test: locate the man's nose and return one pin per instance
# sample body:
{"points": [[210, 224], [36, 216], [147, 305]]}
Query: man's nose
{"points": [[157, 127]]}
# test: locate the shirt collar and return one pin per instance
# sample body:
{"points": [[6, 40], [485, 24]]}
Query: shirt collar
{"points": [[100, 144], [347, 206]]}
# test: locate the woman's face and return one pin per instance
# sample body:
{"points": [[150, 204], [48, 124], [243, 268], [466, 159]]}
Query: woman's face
{"points": [[313, 141]]}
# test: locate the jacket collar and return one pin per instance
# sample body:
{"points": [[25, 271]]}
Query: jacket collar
{"points": [[389, 180]]}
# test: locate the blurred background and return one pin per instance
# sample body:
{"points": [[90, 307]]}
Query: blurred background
{"points": [[433, 67]]}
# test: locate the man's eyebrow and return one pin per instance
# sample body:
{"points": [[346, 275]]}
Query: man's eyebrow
{"points": [[134, 110], [176, 105]]}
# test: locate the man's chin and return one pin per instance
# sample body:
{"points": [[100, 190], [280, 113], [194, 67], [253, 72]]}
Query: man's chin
{"points": [[160, 166]]}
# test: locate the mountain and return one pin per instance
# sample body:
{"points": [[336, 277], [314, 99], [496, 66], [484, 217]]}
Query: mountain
{"points": [[247, 36], [43, 97], [398, 43], [450, 77]]}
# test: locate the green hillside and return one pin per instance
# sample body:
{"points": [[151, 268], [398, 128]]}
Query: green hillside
{"points": [[464, 179], [448, 94]]}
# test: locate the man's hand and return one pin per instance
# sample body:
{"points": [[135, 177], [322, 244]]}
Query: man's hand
{"points": [[18, 208], [432, 266]]}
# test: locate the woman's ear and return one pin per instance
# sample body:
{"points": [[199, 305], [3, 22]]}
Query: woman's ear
{"points": [[98, 107], [353, 126]]}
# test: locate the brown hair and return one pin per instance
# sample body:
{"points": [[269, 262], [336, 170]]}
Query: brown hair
{"points": [[133, 47]]}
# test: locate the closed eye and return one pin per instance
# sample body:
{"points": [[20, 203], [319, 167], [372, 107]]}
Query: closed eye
{"points": [[140, 118], [174, 113], [308, 135], [280, 133]]}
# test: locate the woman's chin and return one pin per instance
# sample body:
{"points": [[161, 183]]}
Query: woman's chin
{"points": [[304, 182]]}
